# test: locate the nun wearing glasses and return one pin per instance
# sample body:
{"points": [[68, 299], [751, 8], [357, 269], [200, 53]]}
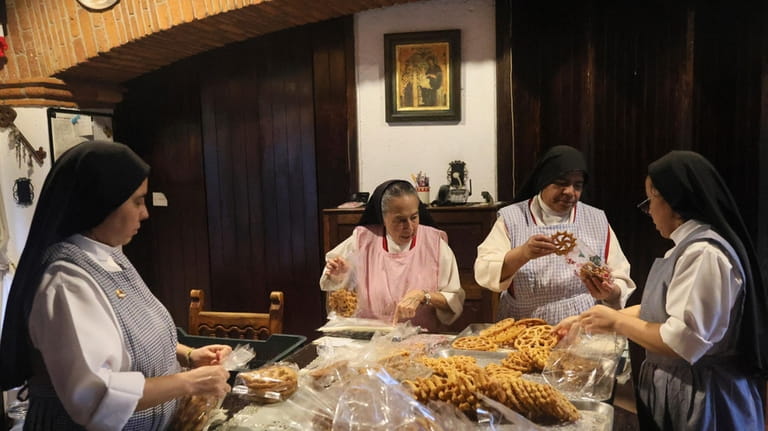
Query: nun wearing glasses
{"points": [[702, 316]]}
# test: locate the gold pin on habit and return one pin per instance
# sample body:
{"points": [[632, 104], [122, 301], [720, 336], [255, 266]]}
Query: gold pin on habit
{"points": [[120, 293]]}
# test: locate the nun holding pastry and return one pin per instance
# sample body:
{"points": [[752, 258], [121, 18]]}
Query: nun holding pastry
{"points": [[518, 257], [398, 264]]}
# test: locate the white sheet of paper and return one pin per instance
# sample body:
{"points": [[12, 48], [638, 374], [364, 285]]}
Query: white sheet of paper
{"points": [[102, 129], [63, 135], [159, 199], [84, 126]]}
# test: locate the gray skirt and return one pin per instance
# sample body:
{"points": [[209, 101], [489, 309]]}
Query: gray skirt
{"points": [[674, 395]]}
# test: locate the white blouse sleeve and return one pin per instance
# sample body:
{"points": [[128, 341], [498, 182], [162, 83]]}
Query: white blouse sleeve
{"points": [[449, 285], [346, 250], [490, 258], [619, 266], [73, 326], [700, 296]]}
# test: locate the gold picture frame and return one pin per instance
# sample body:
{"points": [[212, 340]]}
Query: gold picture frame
{"points": [[422, 75]]}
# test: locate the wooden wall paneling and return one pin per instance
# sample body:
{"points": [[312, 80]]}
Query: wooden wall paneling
{"points": [[350, 77], [526, 46], [762, 195], [161, 122], [306, 262], [728, 73], [638, 54], [505, 131], [259, 128], [335, 113], [627, 83], [224, 174]]}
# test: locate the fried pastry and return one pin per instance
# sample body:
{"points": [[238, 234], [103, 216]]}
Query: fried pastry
{"points": [[564, 242]]}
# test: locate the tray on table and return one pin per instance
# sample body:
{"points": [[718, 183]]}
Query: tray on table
{"points": [[595, 416], [273, 349]]}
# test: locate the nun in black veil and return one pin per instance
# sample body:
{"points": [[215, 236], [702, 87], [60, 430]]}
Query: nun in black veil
{"points": [[517, 257], [82, 330], [702, 319], [400, 267]]}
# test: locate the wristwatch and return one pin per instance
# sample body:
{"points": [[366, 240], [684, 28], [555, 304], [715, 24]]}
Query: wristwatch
{"points": [[427, 298]]}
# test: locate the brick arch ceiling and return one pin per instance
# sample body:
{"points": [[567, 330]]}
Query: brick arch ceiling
{"points": [[61, 39], [158, 49]]}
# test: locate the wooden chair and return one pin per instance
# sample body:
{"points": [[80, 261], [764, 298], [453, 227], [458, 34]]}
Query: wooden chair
{"points": [[256, 326]]}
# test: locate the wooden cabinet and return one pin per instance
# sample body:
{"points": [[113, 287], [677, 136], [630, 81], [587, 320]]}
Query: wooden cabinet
{"points": [[466, 226]]}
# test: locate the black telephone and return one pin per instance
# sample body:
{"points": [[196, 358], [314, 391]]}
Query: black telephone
{"points": [[443, 197], [359, 197]]}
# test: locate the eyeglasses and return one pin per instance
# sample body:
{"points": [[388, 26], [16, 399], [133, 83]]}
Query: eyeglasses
{"points": [[645, 206]]}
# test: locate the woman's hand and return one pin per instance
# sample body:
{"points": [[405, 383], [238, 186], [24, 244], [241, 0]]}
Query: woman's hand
{"points": [[408, 305], [537, 246], [604, 290], [562, 328], [600, 319], [336, 267], [207, 380], [212, 354]]}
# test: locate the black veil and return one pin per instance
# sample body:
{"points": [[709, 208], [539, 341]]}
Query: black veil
{"points": [[555, 162], [372, 214]]}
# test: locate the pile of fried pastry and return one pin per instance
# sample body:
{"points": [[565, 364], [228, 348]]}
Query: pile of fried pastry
{"points": [[457, 379]]}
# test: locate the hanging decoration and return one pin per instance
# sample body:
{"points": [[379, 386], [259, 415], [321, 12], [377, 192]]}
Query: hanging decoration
{"points": [[23, 192], [24, 149], [25, 153]]}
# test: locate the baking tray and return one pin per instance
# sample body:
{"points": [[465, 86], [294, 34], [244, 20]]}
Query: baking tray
{"points": [[483, 358], [473, 329], [595, 416]]}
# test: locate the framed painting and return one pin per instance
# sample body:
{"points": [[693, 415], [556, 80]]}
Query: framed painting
{"points": [[422, 76]]}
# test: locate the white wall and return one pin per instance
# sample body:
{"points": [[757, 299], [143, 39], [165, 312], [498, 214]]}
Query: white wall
{"points": [[33, 123], [395, 151]]}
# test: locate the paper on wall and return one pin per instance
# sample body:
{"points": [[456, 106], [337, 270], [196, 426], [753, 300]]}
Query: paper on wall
{"points": [[63, 135], [83, 125], [102, 129]]}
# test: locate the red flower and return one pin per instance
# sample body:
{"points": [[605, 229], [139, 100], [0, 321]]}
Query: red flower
{"points": [[3, 46]]}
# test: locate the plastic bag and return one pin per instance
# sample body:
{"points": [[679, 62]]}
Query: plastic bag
{"points": [[583, 365], [195, 412], [269, 384], [354, 327], [375, 401], [391, 350], [586, 263]]}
